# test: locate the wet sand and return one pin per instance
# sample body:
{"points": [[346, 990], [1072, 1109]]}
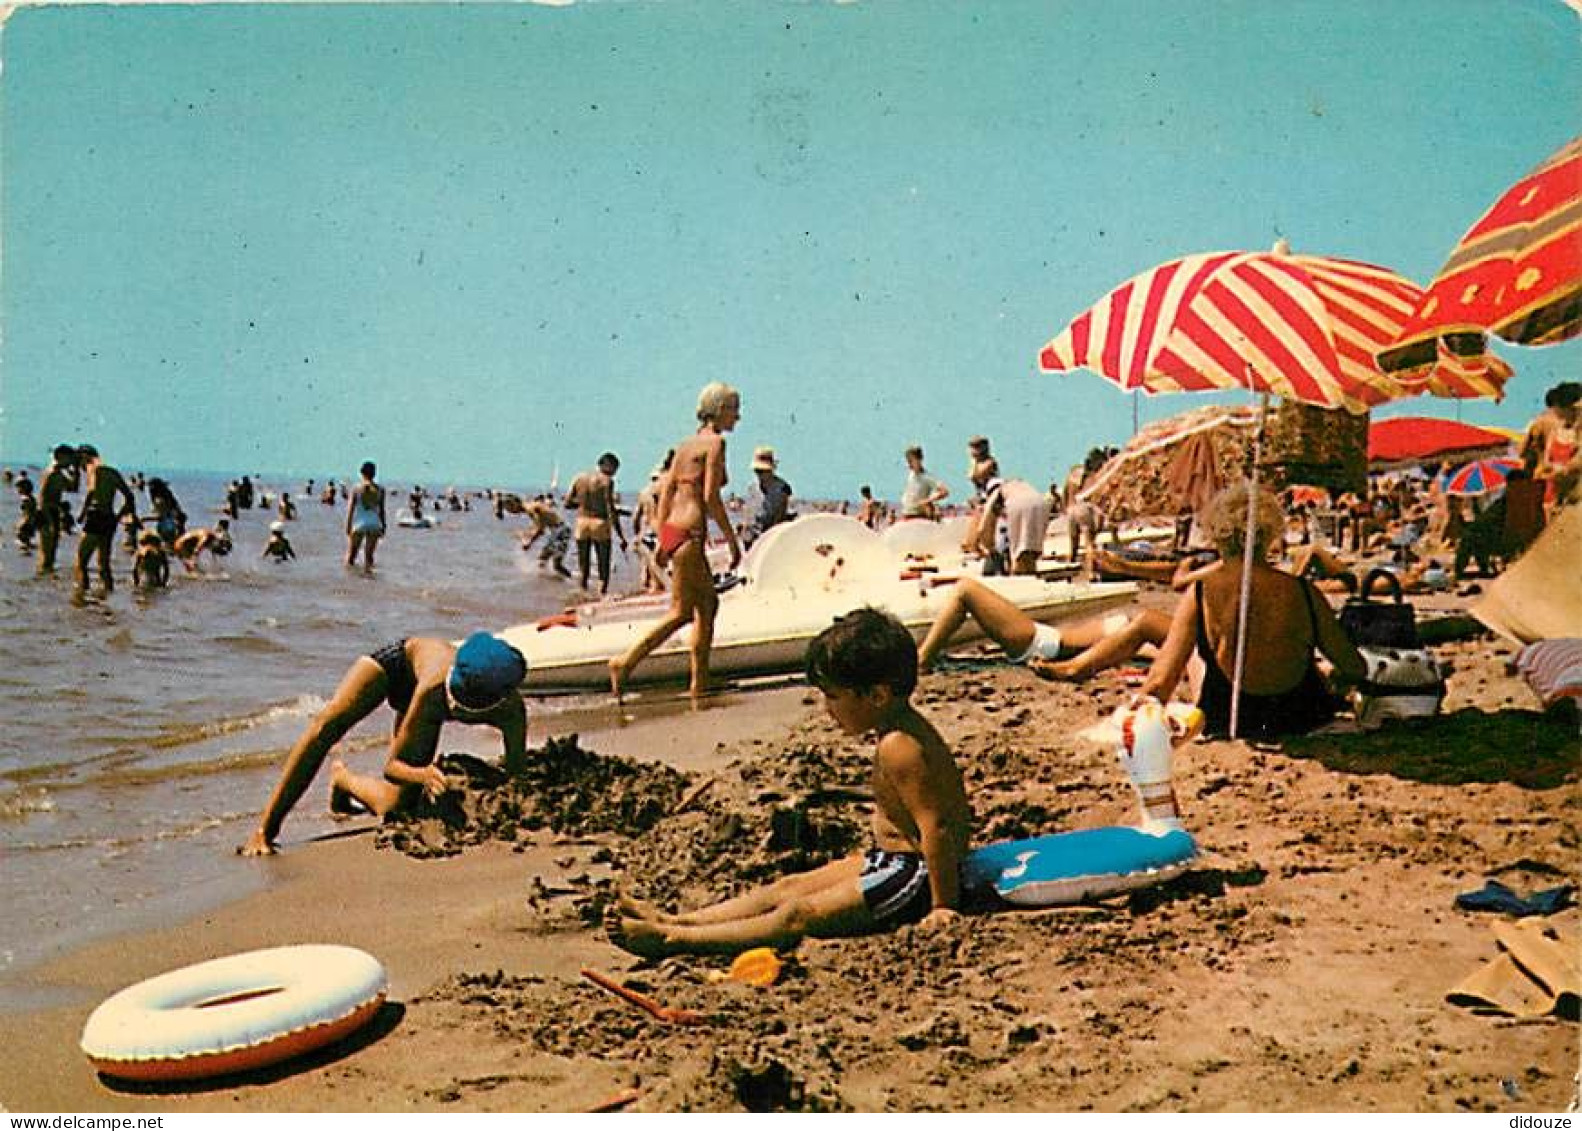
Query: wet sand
{"points": [[1302, 964]]}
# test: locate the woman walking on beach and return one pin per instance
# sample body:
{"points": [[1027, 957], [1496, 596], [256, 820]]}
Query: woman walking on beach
{"points": [[689, 497], [365, 519]]}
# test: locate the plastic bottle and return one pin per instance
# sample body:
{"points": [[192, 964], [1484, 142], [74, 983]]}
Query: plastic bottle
{"points": [[1146, 750]]}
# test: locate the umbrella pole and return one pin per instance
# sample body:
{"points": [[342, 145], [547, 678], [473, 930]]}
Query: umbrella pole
{"points": [[1245, 600]]}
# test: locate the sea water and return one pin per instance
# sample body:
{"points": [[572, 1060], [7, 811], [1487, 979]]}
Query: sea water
{"points": [[144, 732]]}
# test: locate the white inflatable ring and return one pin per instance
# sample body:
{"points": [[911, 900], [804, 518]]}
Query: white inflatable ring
{"points": [[235, 1013]]}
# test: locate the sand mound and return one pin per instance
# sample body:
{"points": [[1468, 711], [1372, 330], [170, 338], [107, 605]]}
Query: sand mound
{"points": [[558, 786]]}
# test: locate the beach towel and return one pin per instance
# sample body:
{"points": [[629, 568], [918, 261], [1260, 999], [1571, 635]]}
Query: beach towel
{"points": [[1534, 975], [1553, 669]]}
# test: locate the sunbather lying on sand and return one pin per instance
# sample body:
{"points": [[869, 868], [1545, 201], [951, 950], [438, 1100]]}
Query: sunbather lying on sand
{"points": [[1331, 573], [866, 666], [1070, 652], [1178, 571]]}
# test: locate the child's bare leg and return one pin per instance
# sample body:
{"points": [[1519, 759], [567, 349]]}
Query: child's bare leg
{"points": [[628, 906], [343, 803], [353, 544], [361, 690], [833, 910], [1000, 620], [377, 795], [752, 903]]}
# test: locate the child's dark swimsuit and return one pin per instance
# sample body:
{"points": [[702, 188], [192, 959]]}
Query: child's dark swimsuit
{"points": [[895, 886], [1305, 707], [400, 679]]}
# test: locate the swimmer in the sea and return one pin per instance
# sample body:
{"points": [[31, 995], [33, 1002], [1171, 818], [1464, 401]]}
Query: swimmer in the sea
{"points": [[279, 546]]}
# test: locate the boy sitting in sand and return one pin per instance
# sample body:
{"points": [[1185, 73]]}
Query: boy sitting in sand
{"points": [[866, 667]]}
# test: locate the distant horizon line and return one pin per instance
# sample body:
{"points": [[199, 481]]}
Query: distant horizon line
{"points": [[272, 479]]}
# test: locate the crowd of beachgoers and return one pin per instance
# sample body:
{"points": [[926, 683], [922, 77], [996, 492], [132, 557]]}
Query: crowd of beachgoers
{"points": [[1297, 659], [1238, 616]]}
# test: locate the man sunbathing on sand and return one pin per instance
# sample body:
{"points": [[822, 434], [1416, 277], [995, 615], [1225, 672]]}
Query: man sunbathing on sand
{"points": [[866, 667], [427, 682]]}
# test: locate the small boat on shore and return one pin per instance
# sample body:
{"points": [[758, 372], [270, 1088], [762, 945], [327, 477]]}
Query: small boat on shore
{"points": [[795, 581]]}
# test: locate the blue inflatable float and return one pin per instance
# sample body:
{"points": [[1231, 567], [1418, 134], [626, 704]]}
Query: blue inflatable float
{"points": [[1046, 871]]}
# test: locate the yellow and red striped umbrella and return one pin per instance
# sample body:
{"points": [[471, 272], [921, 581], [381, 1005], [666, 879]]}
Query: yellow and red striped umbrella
{"points": [[1305, 327], [1517, 273], [1466, 378]]}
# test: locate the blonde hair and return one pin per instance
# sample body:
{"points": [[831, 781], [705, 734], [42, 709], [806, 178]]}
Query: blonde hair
{"points": [[1226, 521], [714, 397]]}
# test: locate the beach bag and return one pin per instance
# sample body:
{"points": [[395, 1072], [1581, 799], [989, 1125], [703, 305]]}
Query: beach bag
{"points": [[1379, 624], [1401, 683]]}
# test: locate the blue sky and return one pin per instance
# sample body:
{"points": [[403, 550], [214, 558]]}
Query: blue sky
{"points": [[474, 242]]}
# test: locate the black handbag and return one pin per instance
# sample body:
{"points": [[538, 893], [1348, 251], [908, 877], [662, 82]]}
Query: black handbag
{"points": [[1379, 624]]}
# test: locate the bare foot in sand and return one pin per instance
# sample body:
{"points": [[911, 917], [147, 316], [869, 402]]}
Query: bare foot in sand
{"points": [[701, 692], [1058, 671], [342, 803], [633, 908], [638, 936]]}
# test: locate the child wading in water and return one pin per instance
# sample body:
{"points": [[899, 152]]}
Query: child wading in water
{"points": [[279, 546], [866, 667]]}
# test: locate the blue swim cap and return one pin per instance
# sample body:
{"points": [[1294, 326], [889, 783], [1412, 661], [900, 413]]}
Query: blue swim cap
{"points": [[485, 671]]}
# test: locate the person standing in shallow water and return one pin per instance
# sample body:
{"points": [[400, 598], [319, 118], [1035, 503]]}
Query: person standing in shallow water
{"points": [[59, 477], [100, 517], [593, 497], [365, 519], [689, 497]]}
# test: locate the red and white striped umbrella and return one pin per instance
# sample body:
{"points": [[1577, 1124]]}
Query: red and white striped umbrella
{"points": [[1305, 327]]}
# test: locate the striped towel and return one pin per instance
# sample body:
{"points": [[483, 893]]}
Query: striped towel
{"points": [[1553, 668]]}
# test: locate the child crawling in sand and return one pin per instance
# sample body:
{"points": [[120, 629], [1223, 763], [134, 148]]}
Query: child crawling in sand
{"points": [[866, 667]]}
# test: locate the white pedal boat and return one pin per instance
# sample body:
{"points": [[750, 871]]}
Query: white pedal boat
{"points": [[796, 580]]}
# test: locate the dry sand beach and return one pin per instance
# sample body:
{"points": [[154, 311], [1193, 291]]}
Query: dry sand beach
{"points": [[1302, 964]]}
